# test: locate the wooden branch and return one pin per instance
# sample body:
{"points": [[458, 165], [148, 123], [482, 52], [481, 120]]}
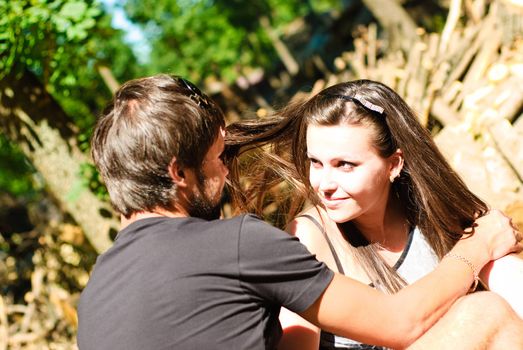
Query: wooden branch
{"points": [[318, 62], [409, 72], [29, 337], [390, 70], [357, 67], [473, 11], [466, 51], [486, 55], [360, 52], [109, 79], [281, 49], [509, 144], [450, 24], [509, 99], [415, 84], [393, 17], [26, 321], [4, 332], [444, 113], [432, 77], [372, 45]]}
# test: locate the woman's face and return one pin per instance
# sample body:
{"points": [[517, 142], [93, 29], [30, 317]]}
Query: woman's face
{"points": [[347, 173]]}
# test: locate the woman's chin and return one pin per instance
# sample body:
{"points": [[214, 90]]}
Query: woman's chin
{"points": [[340, 217]]}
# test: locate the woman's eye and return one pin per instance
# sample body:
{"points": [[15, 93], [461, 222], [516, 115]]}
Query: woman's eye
{"points": [[315, 163], [346, 165]]}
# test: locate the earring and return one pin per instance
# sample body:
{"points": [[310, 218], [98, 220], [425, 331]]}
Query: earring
{"points": [[392, 178]]}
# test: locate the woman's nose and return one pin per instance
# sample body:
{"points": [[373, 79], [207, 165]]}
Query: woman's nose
{"points": [[327, 183]]}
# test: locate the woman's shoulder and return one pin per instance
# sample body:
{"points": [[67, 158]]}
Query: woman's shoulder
{"points": [[308, 226]]}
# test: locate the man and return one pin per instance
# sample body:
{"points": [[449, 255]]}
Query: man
{"points": [[178, 277]]}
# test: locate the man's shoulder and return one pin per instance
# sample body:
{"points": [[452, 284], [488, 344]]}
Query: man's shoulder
{"points": [[244, 222], [238, 226], [165, 231], [251, 223]]}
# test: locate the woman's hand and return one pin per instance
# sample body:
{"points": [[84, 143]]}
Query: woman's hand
{"points": [[497, 233]]}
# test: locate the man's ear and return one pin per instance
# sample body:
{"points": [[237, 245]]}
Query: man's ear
{"points": [[177, 174]]}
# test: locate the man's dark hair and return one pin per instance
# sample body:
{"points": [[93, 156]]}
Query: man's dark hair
{"points": [[151, 122]]}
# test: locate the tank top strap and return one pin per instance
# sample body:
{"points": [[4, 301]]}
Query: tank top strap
{"points": [[331, 247]]}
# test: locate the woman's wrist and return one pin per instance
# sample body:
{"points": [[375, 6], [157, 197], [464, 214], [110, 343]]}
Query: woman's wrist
{"points": [[471, 253], [474, 249], [472, 267]]}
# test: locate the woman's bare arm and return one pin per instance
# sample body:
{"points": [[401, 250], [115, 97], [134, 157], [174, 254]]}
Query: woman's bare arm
{"points": [[359, 312]]}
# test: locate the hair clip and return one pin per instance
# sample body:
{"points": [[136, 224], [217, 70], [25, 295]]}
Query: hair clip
{"points": [[361, 101], [195, 94], [368, 104]]}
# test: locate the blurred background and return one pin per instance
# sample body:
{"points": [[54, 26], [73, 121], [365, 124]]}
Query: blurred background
{"points": [[458, 63]]}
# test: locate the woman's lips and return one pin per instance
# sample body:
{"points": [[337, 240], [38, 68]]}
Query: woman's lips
{"points": [[332, 203]]}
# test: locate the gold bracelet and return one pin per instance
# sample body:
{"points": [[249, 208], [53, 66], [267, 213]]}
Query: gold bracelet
{"points": [[471, 265]]}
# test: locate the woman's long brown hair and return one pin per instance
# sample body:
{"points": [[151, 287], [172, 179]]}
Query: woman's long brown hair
{"points": [[269, 168]]}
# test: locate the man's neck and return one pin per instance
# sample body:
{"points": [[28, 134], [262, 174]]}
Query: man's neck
{"points": [[151, 214]]}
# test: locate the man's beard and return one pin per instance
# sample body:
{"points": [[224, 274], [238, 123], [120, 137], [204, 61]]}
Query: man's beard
{"points": [[202, 206]]}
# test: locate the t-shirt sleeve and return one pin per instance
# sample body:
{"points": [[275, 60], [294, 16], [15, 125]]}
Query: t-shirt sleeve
{"points": [[276, 267]]}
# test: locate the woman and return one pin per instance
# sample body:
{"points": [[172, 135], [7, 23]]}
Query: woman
{"points": [[386, 206]]}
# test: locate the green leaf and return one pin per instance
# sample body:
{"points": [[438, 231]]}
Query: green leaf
{"points": [[74, 10], [37, 14], [70, 80], [61, 23], [87, 23], [76, 33], [93, 12]]}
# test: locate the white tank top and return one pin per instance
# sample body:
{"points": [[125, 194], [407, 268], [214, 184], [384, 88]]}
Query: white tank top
{"points": [[417, 260]]}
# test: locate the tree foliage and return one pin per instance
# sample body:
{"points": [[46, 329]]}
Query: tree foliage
{"points": [[17, 173], [199, 39], [62, 42], [51, 93]]}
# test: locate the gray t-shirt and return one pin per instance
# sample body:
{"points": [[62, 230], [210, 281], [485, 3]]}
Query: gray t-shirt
{"points": [[187, 283]]}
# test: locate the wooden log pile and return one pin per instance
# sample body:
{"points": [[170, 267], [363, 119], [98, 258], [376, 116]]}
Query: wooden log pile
{"points": [[46, 317], [40, 322]]}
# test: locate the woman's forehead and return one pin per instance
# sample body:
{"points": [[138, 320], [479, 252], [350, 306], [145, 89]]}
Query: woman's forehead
{"points": [[340, 139]]}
